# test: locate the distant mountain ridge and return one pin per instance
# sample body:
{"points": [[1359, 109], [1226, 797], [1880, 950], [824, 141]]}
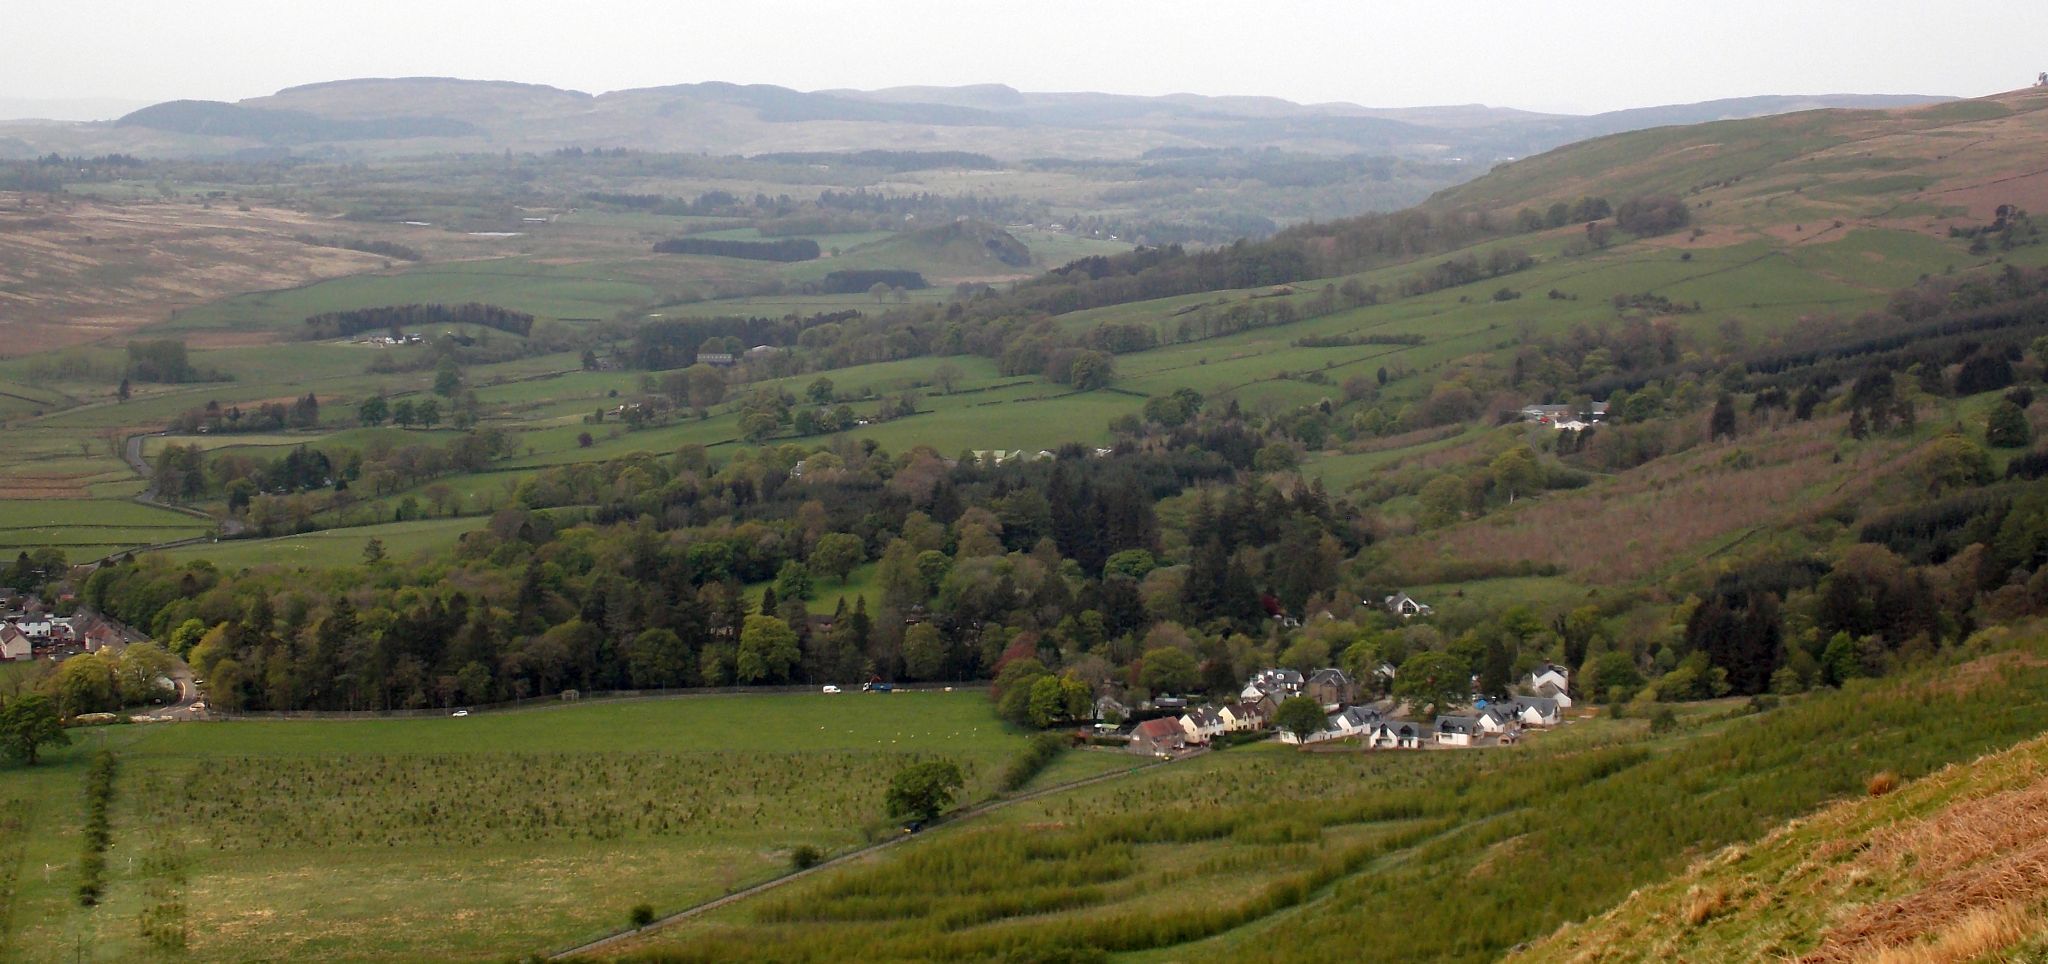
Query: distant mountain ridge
{"points": [[373, 116]]}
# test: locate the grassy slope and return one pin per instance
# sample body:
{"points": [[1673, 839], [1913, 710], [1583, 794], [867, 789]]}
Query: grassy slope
{"points": [[1275, 855], [460, 838], [1946, 869]]}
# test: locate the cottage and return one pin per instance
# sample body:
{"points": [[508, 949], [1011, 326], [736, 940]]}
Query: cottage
{"points": [[15, 644], [1457, 730], [1159, 737], [1535, 710], [1109, 710], [1396, 735], [1406, 606], [1201, 724], [1329, 687], [1243, 717], [1550, 681], [1493, 719], [1276, 683]]}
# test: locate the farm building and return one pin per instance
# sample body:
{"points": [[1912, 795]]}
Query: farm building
{"points": [[1405, 606]]}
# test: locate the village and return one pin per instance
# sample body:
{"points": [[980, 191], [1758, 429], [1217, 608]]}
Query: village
{"points": [[1493, 721]]}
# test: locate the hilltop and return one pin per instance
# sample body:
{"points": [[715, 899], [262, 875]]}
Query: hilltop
{"points": [[381, 116]]}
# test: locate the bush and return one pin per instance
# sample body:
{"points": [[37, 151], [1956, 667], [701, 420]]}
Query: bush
{"points": [[1038, 754], [1881, 783], [643, 914], [1663, 720], [805, 857]]}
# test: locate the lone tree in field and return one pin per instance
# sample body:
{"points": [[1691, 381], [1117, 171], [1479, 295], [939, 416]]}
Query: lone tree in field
{"points": [[923, 790], [26, 724], [1299, 715]]}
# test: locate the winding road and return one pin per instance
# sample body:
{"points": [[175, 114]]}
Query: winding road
{"points": [[131, 452]]}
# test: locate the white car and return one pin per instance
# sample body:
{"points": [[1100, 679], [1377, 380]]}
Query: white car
{"points": [[830, 688], [459, 713]]}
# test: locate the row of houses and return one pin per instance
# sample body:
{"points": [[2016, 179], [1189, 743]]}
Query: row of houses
{"points": [[1491, 720], [23, 637]]}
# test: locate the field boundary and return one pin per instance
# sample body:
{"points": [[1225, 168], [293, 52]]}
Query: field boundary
{"points": [[953, 819], [605, 696]]}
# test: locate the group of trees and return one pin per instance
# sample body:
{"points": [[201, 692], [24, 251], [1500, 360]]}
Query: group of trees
{"points": [[215, 419], [397, 318], [786, 249]]}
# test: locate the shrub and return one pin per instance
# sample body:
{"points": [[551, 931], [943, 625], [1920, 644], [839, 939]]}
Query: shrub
{"points": [[1881, 783], [643, 914], [805, 857], [1038, 754]]}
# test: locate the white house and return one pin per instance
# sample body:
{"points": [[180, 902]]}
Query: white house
{"points": [[1395, 735], [1552, 682], [1276, 683], [1406, 606], [1493, 719], [1534, 710], [1457, 730]]}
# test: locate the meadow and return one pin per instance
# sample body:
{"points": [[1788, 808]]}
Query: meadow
{"points": [[463, 838]]}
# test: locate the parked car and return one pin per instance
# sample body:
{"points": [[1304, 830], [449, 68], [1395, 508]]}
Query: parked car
{"points": [[459, 713], [877, 688], [829, 688]]}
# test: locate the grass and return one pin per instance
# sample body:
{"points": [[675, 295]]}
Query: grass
{"points": [[1274, 854], [1935, 872], [464, 839], [331, 548]]}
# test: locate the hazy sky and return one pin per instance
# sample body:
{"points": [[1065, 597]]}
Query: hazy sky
{"points": [[1564, 55]]}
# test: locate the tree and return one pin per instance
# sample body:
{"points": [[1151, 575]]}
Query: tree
{"points": [[768, 650], [1612, 678], [448, 378], [124, 391], [1091, 370], [427, 411], [373, 411], [837, 553], [1168, 669], [2008, 428], [1516, 471], [947, 376], [658, 659], [922, 790], [402, 412], [1721, 424], [924, 652], [373, 551], [793, 581], [820, 391], [1299, 715], [27, 723], [1437, 680], [1443, 500], [1952, 462]]}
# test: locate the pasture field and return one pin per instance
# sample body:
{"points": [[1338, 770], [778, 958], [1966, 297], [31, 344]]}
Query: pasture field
{"points": [[1278, 854], [332, 548], [543, 289], [470, 839]]}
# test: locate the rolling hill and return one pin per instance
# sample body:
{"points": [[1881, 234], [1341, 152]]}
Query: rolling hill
{"points": [[409, 115]]}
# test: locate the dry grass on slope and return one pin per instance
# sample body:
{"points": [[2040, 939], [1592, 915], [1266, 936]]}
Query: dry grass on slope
{"points": [[1949, 868]]}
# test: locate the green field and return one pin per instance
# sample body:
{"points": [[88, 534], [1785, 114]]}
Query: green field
{"points": [[478, 838]]}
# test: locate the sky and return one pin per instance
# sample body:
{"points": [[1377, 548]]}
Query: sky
{"points": [[1568, 56]]}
